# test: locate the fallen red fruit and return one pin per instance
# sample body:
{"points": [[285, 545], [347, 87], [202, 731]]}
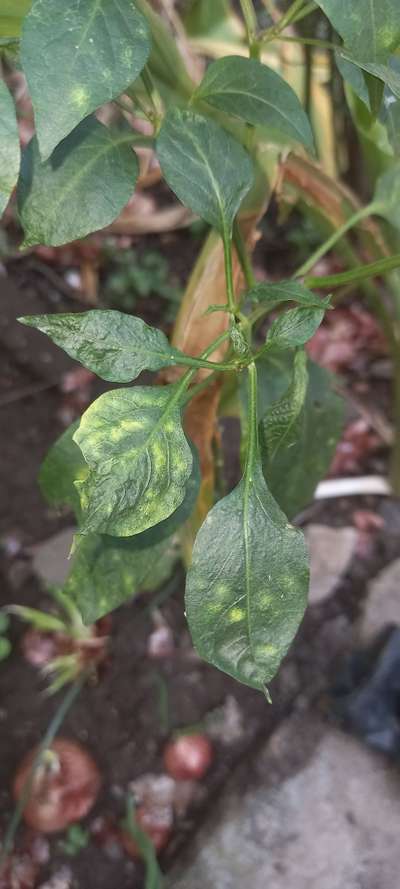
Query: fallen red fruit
{"points": [[64, 787], [155, 824], [188, 757]]}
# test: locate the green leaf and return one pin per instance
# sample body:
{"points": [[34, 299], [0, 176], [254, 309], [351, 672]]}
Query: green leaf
{"points": [[9, 147], [280, 425], [273, 294], [5, 648], [249, 90], [299, 427], [77, 56], [294, 328], [115, 346], [390, 110], [139, 459], [11, 16], [247, 586], [212, 19], [206, 168], [107, 571], [80, 189], [353, 75], [375, 89], [370, 28], [41, 620], [4, 622], [384, 72], [387, 195], [63, 465], [169, 526]]}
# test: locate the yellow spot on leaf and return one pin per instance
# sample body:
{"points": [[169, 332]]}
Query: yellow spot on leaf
{"points": [[236, 614], [79, 96]]}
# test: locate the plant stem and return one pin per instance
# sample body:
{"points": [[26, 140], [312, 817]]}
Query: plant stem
{"points": [[188, 376], [46, 742], [153, 878], [244, 257], [303, 12], [252, 430], [395, 455], [361, 214], [200, 362], [371, 270], [230, 292], [296, 11], [251, 27], [151, 91]]}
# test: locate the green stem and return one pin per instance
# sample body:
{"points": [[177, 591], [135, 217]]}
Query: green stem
{"points": [[152, 92], [296, 11], [372, 270], [395, 455], [138, 102], [291, 14], [154, 877], [230, 292], [244, 257], [336, 236], [199, 362], [303, 12], [250, 21], [188, 376], [252, 425], [46, 742]]}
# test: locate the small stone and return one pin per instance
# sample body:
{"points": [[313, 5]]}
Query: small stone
{"points": [[50, 558], [225, 723], [331, 551], [62, 879]]}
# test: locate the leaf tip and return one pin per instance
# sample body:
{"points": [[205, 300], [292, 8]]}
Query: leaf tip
{"points": [[26, 244]]}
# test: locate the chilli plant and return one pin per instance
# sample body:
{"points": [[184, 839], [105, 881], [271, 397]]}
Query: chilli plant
{"points": [[138, 468]]}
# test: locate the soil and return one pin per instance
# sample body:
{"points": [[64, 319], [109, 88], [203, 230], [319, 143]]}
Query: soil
{"points": [[120, 719]]}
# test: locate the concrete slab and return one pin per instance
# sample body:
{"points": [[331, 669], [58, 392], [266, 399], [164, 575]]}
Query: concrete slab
{"points": [[332, 824]]}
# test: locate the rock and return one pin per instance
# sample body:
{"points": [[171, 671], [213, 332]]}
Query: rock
{"points": [[332, 824], [50, 558], [331, 551], [383, 602]]}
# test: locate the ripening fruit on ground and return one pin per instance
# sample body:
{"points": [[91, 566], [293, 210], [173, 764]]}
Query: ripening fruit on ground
{"points": [[188, 757], [65, 786]]}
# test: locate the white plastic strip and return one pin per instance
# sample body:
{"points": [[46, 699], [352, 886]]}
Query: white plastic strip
{"points": [[350, 487]]}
